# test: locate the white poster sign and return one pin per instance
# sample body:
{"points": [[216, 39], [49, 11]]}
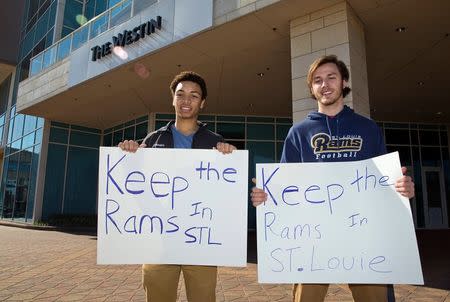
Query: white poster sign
{"points": [[172, 206], [336, 223]]}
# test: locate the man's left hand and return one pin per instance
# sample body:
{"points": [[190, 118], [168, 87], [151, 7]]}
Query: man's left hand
{"points": [[225, 148], [404, 185]]}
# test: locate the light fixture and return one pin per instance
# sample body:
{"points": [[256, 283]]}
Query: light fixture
{"points": [[260, 74], [420, 83], [400, 29]]}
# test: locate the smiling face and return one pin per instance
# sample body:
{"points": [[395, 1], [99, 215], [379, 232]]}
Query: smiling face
{"points": [[327, 85], [187, 100]]}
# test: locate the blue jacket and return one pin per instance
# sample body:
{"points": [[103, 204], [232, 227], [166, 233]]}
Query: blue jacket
{"points": [[346, 137]]}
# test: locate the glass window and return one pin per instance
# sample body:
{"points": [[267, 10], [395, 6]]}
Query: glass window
{"points": [[261, 131], [404, 153], [30, 124], [27, 44], [128, 133], [43, 7], [430, 138], [107, 140], [49, 57], [38, 136], [100, 6], [41, 27], [80, 37], [142, 119], [49, 38], [231, 131], [54, 180], [205, 118], [82, 169], [284, 120], [279, 151], [66, 31], [89, 9], [36, 65], [240, 145], [18, 126], [444, 138], [72, 9], [117, 137], [60, 125], [397, 136], [414, 137], [28, 141], [431, 156], [120, 13], [58, 135], [99, 25], [84, 139], [39, 47], [63, 49], [230, 118], [163, 116], [142, 131], [282, 131], [259, 119], [40, 122], [260, 152], [10, 187], [158, 124], [52, 15], [23, 177], [86, 129], [141, 5], [17, 144]]}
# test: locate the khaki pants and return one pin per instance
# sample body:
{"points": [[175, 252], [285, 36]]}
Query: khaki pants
{"points": [[161, 282], [360, 292]]}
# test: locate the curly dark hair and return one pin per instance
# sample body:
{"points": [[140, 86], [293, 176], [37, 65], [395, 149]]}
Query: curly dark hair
{"points": [[343, 70], [191, 77]]}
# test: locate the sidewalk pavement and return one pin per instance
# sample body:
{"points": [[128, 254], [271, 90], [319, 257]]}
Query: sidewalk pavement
{"points": [[40, 265]]}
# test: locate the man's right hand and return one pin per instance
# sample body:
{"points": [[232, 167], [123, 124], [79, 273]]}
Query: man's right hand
{"points": [[258, 195], [130, 146]]}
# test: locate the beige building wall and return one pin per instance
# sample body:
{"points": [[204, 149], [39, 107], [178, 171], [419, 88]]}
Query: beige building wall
{"points": [[333, 30]]}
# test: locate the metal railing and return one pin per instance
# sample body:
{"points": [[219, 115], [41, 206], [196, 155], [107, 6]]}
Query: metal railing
{"points": [[117, 14]]}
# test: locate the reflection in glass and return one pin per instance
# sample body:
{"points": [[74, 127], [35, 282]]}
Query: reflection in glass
{"points": [[80, 36], [10, 187], [36, 65], [49, 57], [23, 176], [120, 14], [63, 49], [99, 25]]}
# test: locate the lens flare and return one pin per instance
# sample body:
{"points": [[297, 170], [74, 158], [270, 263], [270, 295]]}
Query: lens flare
{"points": [[81, 19], [141, 70], [120, 52]]}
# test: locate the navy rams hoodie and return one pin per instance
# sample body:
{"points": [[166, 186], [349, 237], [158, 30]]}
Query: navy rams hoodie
{"points": [[347, 136]]}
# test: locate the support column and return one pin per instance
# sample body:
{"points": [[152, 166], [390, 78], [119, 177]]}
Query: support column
{"points": [[59, 20], [333, 30]]}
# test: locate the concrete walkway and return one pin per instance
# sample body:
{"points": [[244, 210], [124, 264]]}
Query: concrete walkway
{"points": [[38, 265]]}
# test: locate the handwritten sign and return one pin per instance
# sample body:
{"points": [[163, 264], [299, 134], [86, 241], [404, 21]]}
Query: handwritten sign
{"points": [[335, 223], [172, 206]]}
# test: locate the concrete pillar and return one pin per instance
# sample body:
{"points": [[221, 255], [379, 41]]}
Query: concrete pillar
{"points": [[60, 7], [332, 30]]}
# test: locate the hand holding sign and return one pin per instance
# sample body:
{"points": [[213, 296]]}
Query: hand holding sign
{"points": [[333, 223], [166, 210]]}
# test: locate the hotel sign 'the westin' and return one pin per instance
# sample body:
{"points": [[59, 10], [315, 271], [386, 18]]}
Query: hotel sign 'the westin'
{"points": [[126, 38]]}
